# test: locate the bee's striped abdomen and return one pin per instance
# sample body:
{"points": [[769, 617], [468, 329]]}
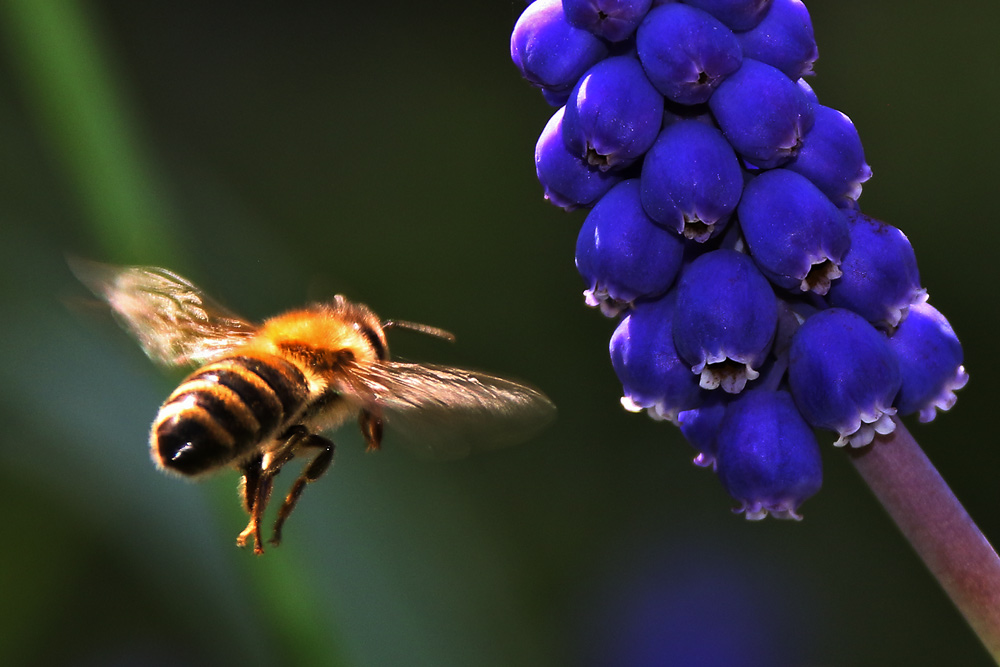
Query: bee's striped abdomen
{"points": [[224, 410]]}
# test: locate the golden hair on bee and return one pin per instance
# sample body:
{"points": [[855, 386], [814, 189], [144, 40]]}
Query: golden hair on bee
{"points": [[261, 394]]}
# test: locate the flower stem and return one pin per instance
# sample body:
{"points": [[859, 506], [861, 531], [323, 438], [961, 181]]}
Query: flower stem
{"points": [[935, 523]]}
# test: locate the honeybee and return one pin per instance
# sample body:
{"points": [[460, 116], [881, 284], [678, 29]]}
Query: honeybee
{"points": [[262, 393]]}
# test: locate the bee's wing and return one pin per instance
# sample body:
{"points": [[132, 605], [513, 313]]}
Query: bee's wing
{"points": [[174, 321], [445, 412]]}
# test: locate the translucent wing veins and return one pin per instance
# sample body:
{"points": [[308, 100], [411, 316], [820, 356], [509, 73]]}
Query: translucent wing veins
{"points": [[173, 320], [446, 412]]}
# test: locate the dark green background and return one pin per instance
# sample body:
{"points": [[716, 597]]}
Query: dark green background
{"points": [[384, 150]]}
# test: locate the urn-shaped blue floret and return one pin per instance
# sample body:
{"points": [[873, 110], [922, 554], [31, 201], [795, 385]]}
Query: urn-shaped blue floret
{"points": [[930, 361], [691, 180], [653, 376], [686, 53], [700, 426], [556, 98], [548, 51], [880, 280], [622, 254], [844, 376], [736, 14], [613, 114], [614, 20], [763, 113], [796, 235], [832, 157], [569, 182], [809, 93], [768, 457], [725, 320], [784, 39]]}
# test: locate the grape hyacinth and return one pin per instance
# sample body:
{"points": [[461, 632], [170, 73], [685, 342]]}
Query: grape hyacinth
{"points": [[756, 303]]}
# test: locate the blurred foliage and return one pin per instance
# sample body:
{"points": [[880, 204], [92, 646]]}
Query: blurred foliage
{"points": [[278, 153]]}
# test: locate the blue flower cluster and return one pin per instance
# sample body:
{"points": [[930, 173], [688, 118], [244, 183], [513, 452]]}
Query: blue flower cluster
{"points": [[756, 302]]}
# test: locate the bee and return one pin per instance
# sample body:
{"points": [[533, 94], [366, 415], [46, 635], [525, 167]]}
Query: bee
{"points": [[262, 394]]}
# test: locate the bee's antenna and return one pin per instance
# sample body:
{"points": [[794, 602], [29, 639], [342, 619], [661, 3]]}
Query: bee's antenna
{"points": [[422, 328]]}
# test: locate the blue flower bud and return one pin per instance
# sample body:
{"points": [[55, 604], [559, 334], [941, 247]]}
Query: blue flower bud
{"points": [[548, 51], [700, 426], [613, 114], [768, 457], [763, 113], [676, 113], [556, 98], [645, 359], [796, 235], [686, 53], [614, 20], [880, 280], [843, 376], [569, 182], [783, 39], [735, 14], [832, 157], [930, 362], [622, 254], [808, 92], [725, 320], [691, 180]]}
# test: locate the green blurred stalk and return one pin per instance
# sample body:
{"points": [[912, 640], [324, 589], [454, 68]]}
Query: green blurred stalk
{"points": [[72, 92], [937, 526], [300, 618]]}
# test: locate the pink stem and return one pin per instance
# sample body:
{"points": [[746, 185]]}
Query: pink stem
{"points": [[935, 523]]}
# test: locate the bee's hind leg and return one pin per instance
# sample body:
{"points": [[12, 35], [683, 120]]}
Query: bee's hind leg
{"points": [[249, 481], [258, 480], [255, 492], [313, 471]]}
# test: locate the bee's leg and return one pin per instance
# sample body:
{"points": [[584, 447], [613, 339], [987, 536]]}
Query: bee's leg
{"points": [[263, 481], [313, 471], [250, 489], [250, 481], [371, 429]]}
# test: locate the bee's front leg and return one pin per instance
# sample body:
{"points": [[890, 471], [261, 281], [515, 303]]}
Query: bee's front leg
{"points": [[371, 429]]}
